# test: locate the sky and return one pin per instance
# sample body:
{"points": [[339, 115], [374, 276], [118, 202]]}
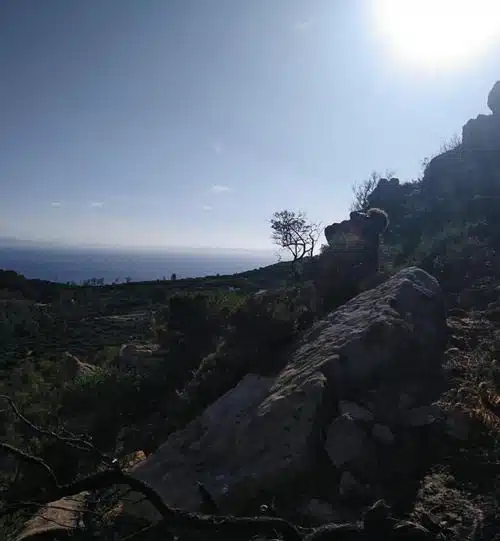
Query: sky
{"points": [[187, 123]]}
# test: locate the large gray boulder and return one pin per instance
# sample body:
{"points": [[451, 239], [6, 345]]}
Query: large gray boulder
{"points": [[263, 435]]}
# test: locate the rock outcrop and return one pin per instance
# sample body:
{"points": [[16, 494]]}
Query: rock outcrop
{"points": [[351, 257], [362, 226], [483, 132], [494, 99], [352, 378]]}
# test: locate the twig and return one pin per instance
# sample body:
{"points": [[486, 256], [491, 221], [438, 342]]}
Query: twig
{"points": [[72, 441], [26, 457], [172, 517]]}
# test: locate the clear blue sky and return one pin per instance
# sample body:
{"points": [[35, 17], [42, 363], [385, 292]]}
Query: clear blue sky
{"points": [[189, 122]]}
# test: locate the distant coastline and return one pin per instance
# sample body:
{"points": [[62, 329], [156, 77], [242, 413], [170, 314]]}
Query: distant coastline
{"points": [[60, 263]]}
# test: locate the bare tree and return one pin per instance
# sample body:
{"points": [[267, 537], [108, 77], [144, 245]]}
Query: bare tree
{"points": [[293, 231], [362, 190]]}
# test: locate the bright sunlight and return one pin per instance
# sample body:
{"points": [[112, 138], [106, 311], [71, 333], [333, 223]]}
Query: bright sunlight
{"points": [[438, 34]]}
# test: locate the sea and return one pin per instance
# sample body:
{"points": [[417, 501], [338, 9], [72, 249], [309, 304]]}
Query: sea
{"points": [[66, 264]]}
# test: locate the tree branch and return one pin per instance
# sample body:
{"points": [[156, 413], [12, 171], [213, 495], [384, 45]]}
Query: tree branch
{"points": [[26, 457], [172, 517], [77, 443], [211, 524]]}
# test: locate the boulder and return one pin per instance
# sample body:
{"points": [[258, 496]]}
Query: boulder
{"points": [[375, 330], [382, 434], [262, 436], [356, 412], [494, 99], [58, 518]]}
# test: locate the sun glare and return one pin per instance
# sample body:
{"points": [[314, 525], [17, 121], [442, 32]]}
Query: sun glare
{"points": [[442, 34]]}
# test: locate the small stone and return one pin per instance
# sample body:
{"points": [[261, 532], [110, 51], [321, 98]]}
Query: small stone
{"points": [[355, 411], [382, 434]]}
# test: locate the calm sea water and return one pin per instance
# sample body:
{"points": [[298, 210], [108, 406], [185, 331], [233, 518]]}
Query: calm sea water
{"points": [[66, 264]]}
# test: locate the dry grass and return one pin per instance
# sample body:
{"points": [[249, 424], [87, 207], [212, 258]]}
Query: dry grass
{"points": [[460, 495], [473, 389]]}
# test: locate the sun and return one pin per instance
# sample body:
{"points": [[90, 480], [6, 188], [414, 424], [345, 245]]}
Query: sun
{"points": [[437, 34]]}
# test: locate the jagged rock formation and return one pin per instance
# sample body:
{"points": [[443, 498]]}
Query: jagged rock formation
{"points": [[351, 257], [363, 226], [336, 420], [483, 132], [494, 99]]}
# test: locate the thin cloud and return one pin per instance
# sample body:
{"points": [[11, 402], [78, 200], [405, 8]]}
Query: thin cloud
{"points": [[207, 208], [96, 204], [220, 188], [56, 204]]}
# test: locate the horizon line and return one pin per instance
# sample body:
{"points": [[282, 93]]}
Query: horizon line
{"points": [[13, 242]]}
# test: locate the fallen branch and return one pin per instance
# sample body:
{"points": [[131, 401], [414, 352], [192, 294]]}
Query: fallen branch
{"points": [[173, 518], [376, 524], [26, 457], [72, 441]]}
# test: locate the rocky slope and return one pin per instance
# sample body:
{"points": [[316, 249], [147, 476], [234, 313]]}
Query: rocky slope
{"points": [[357, 414]]}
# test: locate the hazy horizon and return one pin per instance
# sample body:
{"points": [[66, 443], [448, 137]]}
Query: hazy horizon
{"points": [[77, 264], [185, 125], [15, 242]]}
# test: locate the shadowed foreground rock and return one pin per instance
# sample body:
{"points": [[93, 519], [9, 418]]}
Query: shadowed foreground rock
{"points": [[353, 377], [56, 518]]}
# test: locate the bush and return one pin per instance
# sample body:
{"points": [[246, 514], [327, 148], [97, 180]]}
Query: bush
{"points": [[456, 257], [257, 339]]}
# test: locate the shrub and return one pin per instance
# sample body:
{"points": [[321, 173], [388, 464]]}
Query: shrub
{"points": [[257, 339]]}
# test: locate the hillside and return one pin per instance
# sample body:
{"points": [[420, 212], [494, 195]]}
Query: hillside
{"points": [[254, 407]]}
